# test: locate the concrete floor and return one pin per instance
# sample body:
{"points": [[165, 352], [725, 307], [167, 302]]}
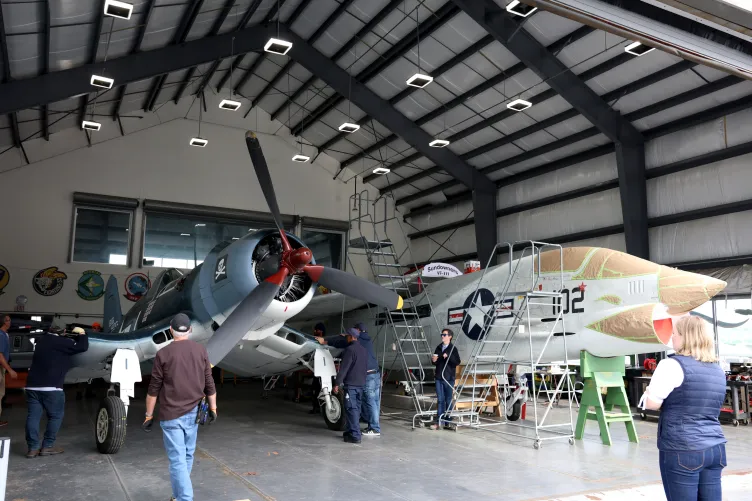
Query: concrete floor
{"points": [[273, 450]]}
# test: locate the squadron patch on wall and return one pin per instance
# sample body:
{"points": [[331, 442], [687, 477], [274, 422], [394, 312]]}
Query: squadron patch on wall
{"points": [[90, 285], [4, 278], [136, 285], [48, 281]]}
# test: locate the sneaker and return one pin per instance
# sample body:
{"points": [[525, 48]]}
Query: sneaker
{"points": [[434, 427], [32, 453], [50, 451], [3, 423], [372, 433], [350, 440]]}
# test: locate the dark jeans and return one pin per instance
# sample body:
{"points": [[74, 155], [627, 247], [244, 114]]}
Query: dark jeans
{"points": [[693, 476], [444, 391], [53, 404], [353, 401]]}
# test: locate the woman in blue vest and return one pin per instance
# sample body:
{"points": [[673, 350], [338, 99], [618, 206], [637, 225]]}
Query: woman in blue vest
{"points": [[689, 389]]}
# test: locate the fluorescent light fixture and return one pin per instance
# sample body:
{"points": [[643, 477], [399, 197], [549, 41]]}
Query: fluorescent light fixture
{"points": [[301, 158], [235, 238], [89, 125], [381, 170], [519, 105], [199, 225], [104, 82], [419, 80], [229, 104], [197, 141], [185, 234], [35, 318], [114, 8], [348, 127], [637, 49], [277, 46], [438, 143], [520, 9]]}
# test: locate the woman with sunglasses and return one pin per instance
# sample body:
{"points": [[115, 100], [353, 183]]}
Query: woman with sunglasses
{"points": [[446, 358]]}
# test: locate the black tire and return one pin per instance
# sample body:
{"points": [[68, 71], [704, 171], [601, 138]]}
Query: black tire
{"points": [[516, 411], [337, 420], [109, 425]]}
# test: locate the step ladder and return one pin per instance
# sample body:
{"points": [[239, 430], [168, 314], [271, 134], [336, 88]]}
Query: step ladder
{"points": [[506, 321], [404, 327]]}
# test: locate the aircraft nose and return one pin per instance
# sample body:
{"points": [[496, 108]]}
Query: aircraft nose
{"points": [[683, 291]]}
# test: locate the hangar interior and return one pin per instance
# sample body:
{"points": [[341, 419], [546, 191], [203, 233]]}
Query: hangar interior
{"points": [[535, 124]]}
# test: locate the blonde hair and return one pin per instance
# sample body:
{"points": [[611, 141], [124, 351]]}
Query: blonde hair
{"points": [[698, 343]]}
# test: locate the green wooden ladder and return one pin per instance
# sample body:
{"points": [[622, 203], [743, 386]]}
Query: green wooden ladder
{"points": [[599, 374]]}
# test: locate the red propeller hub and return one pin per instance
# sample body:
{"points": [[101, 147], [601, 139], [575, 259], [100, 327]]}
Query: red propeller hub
{"points": [[298, 258]]}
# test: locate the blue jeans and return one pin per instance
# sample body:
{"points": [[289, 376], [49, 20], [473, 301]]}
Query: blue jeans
{"points": [[444, 392], [38, 402], [353, 401], [371, 406], [180, 443], [693, 476]]}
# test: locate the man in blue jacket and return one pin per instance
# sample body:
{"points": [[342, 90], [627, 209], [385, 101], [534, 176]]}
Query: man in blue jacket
{"points": [[371, 407], [44, 387], [352, 373]]}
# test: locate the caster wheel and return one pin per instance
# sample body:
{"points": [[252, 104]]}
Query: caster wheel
{"points": [[571, 441], [735, 422], [643, 416], [537, 444], [745, 422]]}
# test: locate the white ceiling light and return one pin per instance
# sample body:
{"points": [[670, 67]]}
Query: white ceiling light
{"points": [[520, 9], [381, 170], [114, 8], [519, 105], [200, 142], [185, 234], [301, 158], [89, 125], [637, 49], [348, 127], [419, 80], [199, 225], [229, 105], [277, 46], [438, 143], [104, 82]]}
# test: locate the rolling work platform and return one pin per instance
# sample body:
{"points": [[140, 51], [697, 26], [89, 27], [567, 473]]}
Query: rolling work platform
{"points": [[509, 320], [404, 326]]}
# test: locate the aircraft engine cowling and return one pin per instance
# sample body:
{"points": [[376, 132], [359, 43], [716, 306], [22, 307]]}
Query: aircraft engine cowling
{"points": [[232, 270]]}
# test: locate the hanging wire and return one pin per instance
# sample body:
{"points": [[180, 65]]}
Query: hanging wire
{"points": [[200, 113], [106, 51]]}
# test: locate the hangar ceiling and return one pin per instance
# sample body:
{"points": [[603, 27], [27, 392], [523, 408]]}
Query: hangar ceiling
{"points": [[588, 96]]}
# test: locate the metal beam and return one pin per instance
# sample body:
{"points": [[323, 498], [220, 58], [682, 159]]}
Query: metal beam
{"points": [[630, 163], [367, 100], [484, 208], [370, 25], [59, 85], [396, 51], [181, 34], [459, 100], [47, 38], [135, 48]]}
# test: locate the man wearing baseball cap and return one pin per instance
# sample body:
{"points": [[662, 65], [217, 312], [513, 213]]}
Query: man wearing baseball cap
{"points": [[44, 387], [352, 373], [181, 377]]}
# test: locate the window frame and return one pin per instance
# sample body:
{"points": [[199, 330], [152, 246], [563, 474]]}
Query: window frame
{"points": [[343, 249], [102, 208]]}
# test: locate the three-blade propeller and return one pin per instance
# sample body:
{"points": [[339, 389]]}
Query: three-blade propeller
{"points": [[293, 261]]}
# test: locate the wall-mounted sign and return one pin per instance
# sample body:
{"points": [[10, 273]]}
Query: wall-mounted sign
{"points": [[4, 278], [441, 270], [48, 281], [20, 303], [136, 285], [90, 285]]}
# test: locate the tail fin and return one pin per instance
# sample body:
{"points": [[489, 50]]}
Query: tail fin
{"points": [[113, 315]]}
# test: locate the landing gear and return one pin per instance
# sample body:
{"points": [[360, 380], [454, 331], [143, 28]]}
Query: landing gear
{"points": [[334, 413], [110, 422], [514, 411]]}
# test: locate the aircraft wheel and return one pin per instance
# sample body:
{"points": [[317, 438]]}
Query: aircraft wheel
{"points": [[335, 417], [109, 429], [515, 412]]}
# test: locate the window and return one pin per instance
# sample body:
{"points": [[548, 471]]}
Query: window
{"points": [[101, 235], [183, 242], [327, 246]]}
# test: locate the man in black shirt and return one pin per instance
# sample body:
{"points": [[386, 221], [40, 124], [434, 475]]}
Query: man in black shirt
{"points": [[44, 387], [352, 372], [446, 358]]}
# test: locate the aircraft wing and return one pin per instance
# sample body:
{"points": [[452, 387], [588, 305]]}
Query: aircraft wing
{"points": [[335, 303]]}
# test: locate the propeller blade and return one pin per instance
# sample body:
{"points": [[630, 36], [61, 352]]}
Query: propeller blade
{"points": [[242, 319], [353, 286], [265, 181]]}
